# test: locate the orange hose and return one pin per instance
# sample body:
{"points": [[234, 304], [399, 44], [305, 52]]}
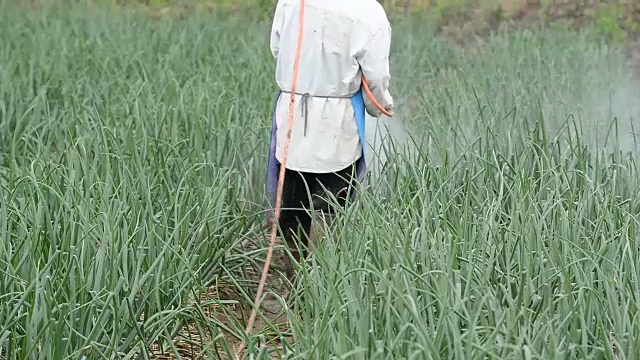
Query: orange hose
{"points": [[274, 224], [373, 99]]}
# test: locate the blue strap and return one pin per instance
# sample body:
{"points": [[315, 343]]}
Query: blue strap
{"points": [[357, 100]]}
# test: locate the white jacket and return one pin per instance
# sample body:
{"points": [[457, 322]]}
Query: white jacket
{"points": [[342, 40]]}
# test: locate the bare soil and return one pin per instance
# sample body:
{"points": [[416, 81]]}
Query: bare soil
{"points": [[229, 311]]}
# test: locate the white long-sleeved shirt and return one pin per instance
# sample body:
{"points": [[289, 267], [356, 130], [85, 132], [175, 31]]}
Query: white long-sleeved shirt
{"points": [[342, 40]]}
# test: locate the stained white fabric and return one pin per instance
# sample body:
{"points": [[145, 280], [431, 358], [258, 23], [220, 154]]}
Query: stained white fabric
{"points": [[343, 39]]}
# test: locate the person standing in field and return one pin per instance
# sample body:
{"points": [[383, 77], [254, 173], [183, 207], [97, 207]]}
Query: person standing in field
{"points": [[342, 41]]}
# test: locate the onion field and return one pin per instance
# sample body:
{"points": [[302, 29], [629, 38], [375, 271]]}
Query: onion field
{"points": [[500, 220]]}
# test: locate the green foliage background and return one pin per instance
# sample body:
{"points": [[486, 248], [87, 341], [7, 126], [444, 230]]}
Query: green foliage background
{"points": [[614, 19]]}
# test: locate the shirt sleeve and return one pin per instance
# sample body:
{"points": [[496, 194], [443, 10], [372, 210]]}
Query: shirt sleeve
{"points": [[276, 28], [374, 63]]}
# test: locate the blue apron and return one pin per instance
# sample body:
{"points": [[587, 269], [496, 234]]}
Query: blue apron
{"points": [[273, 166]]}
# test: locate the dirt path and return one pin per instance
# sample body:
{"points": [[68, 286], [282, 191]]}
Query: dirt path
{"points": [[228, 311]]}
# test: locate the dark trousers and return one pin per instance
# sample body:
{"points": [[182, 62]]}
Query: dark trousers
{"points": [[297, 211]]}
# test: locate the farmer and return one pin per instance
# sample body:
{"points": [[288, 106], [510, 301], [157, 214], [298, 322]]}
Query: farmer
{"points": [[342, 41]]}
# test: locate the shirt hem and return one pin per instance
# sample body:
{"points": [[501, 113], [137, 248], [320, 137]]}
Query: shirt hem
{"points": [[319, 171]]}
